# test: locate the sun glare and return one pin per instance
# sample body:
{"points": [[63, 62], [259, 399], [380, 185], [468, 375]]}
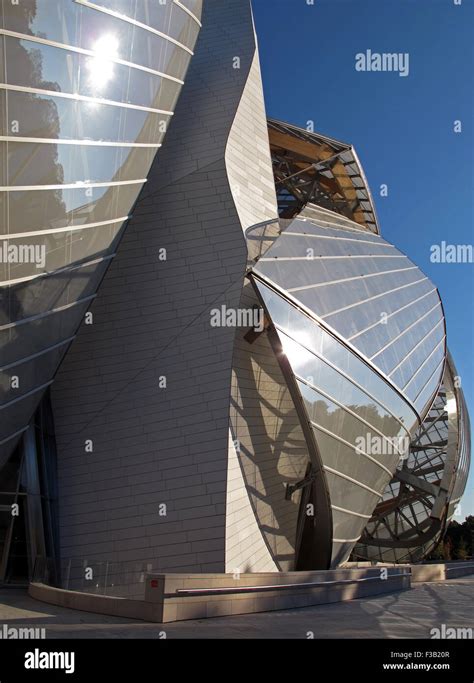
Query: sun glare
{"points": [[101, 66]]}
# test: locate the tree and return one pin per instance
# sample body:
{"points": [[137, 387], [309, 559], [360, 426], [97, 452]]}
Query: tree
{"points": [[447, 549], [457, 542], [438, 552], [461, 550]]}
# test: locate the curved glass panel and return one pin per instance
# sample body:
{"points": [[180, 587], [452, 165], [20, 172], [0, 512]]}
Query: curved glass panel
{"points": [[368, 293], [420, 500], [83, 120], [361, 425], [273, 452], [87, 90], [194, 6]]}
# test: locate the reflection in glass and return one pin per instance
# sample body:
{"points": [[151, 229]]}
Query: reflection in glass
{"points": [[363, 289], [64, 102], [347, 404], [100, 66]]}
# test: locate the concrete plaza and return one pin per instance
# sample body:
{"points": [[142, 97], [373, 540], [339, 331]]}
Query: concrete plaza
{"points": [[405, 614]]}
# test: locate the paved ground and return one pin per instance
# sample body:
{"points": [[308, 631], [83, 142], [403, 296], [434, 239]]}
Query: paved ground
{"points": [[408, 614]]}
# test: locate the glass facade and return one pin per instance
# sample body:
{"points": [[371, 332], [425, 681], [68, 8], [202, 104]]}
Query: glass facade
{"points": [[87, 92], [311, 169], [344, 402], [274, 452], [359, 333], [370, 295], [350, 432], [422, 497]]}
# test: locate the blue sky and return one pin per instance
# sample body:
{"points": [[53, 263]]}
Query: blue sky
{"points": [[401, 127]]}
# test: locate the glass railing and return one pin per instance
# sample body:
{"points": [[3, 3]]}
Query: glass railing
{"points": [[99, 577], [261, 236]]}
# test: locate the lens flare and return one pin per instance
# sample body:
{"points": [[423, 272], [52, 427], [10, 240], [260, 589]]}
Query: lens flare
{"points": [[101, 66]]}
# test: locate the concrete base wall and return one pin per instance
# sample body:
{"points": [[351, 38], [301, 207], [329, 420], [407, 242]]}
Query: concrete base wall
{"points": [[98, 604], [177, 597], [290, 590], [441, 572], [454, 571]]}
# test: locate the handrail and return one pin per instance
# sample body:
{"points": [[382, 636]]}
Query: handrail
{"points": [[256, 589], [270, 221]]}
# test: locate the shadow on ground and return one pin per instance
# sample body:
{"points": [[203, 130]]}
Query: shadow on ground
{"points": [[406, 614]]}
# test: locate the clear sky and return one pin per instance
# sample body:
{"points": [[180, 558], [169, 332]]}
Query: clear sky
{"points": [[401, 127]]}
